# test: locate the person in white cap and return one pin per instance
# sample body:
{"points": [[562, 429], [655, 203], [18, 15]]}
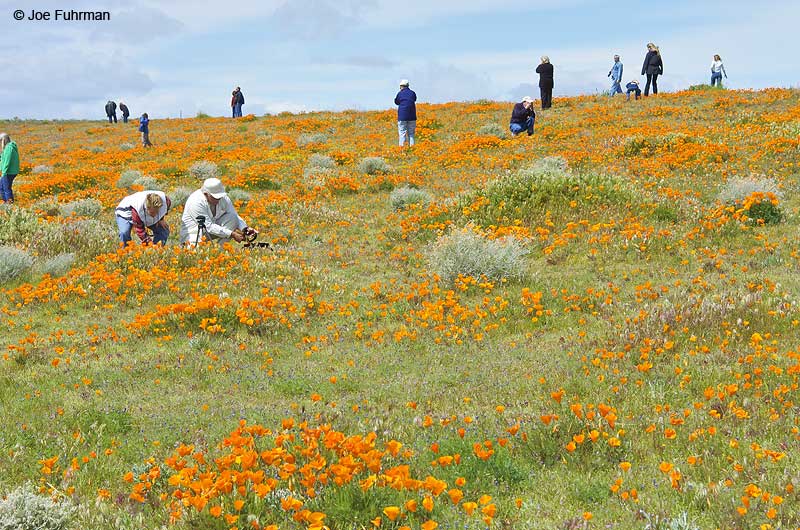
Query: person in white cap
{"points": [[523, 117], [406, 113], [211, 207]]}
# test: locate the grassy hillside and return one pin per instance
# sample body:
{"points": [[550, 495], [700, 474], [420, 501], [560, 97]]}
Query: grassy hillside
{"points": [[596, 327]]}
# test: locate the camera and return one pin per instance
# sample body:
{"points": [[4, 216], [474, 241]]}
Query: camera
{"points": [[201, 221]]}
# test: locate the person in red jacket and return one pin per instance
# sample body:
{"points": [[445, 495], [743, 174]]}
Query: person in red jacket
{"points": [[142, 211]]}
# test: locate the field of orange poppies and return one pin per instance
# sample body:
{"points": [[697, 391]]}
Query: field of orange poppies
{"points": [[596, 327]]}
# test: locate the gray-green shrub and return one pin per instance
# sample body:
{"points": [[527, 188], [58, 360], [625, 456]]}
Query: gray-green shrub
{"points": [[148, 183], [58, 265], [203, 170], [305, 139], [238, 195], [492, 129], [318, 160], [13, 263], [17, 225], [179, 195], [82, 208], [42, 168], [24, 509], [464, 252], [373, 165], [404, 197], [128, 177]]}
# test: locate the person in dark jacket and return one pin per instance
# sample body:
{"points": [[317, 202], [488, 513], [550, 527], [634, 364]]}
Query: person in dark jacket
{"points": [[111, 111], [125, 112], [237, 100], [545, 71], [652, 68], [144, 128], [523, 117], [406, 113]]}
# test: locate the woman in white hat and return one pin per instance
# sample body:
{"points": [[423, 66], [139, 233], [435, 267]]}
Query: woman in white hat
{"points": [[209, 215], [406, 113]]}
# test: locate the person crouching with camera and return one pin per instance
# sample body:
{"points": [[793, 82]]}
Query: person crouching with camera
{"points": [[143, 211], [209, 215]]}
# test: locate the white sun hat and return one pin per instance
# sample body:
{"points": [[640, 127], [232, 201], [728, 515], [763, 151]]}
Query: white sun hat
{"points": [[404, 82], [214, 187]]}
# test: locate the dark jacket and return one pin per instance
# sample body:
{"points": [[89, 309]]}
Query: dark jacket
{"points": [[407, 109], [520, 114], [124, 109], [652, 63], [545, 71], [111, 108], [238, 97]]}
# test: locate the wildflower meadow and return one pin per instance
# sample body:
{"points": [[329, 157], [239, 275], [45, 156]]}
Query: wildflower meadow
{"points": [[593, 327]]}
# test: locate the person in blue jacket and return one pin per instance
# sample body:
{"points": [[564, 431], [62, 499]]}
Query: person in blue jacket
{"points": [[406, 113], [633, 86], [144, 128], [616, 77]]}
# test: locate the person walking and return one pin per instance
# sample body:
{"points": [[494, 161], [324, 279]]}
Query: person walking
{"points": [[9, 167], [406, 113], [632, 86], [111, 111], [142, 211], [523, 117], [616, 77], [144, 128], [717, 71], [237, 100], [125, 112], [210, 215], [652, 68], [545, 71]]}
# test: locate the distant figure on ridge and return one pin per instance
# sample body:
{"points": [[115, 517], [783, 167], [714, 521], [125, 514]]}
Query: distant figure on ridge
{"points": [[144, 128], [111, 111], [141, 211], [523, 117], [717, 70], [652, 68], [545, 71], [237, 100], [406, 113], [633, 86], [9, 166], [125, 112], [616, 77]]}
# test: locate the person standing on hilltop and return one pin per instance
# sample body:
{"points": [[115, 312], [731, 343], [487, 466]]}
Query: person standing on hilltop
{"points": [[144, 128], [717, 70], [9, 166], [406, 113], [523, 117], [546, 83], [616, 77], [652, 68], [125, 112], [237, 100], [111, 111]]}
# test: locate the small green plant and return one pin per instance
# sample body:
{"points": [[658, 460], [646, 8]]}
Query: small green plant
{"points": [[17, 225], [13, 263], [82, 208], [373, 165], [738, 191], [665, 213], [203, 170], [404, 197], [24, 509], [305, 139], [128, 177], [465, 252], [202, 115]]}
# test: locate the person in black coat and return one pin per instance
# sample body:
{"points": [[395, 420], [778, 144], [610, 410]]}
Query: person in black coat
{"points": [[111, 111], [545, 71], [652, 68], [125, 112], [523, 117]]}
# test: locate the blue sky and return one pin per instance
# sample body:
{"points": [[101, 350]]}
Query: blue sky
{"points": [[179, 57]]}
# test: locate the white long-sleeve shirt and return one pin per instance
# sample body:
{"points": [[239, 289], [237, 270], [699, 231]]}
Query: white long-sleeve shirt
{"points": [[219, 224], [717, 67]]}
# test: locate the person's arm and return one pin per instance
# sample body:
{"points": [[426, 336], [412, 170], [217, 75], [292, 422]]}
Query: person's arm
{"points": [[539, 69], [138, 225], [723, 71], [644, 66], [621, 68], [397, 99]]}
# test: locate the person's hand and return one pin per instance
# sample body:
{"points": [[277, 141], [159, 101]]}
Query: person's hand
{"points": [[251, 232], [237, 236], [163, 224]]}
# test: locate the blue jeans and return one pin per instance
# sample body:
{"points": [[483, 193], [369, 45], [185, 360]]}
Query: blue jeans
{"points": [[517, 128], [716, 77], [160, 234], [638, 92], [406, 129], [237, 110], [5, 187], [615, 88]]}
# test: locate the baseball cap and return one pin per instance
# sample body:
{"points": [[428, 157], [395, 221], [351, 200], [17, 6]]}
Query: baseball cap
{"points": [[214, 187]]}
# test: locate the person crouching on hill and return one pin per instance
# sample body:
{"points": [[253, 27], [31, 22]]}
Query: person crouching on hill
{"points": [[209, 215], [523, 117], [143, 211], [633, 86]]}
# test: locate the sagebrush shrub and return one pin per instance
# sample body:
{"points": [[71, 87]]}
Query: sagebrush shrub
{"points": [[404, 197], [305, 139], [318, 160], [47, 206], [58, 265], [13, 263], [24, 509], [317, 175], [128, 177], [492, 129], [203, 170], [82, 208], [238, 195], [42, 168], [126, 146], [179, 195], [373, 165], [148, 183], [465, 252], [17, 225]]}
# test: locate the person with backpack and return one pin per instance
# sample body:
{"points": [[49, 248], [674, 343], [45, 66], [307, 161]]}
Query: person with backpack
{"points": [[717, 70], [406, 113], [111, 111], [237, 100], [545, 71], [616, 77], [523, 117], [143, 211], [144, 128], [9, 166], [125, 112], [652, 68]]}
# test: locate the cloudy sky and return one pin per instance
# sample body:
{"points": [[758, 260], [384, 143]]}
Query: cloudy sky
{"points": [[178, 57]]}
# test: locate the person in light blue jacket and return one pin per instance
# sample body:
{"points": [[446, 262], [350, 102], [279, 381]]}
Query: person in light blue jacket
{"points": [[616, 77], [406, 113]]}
